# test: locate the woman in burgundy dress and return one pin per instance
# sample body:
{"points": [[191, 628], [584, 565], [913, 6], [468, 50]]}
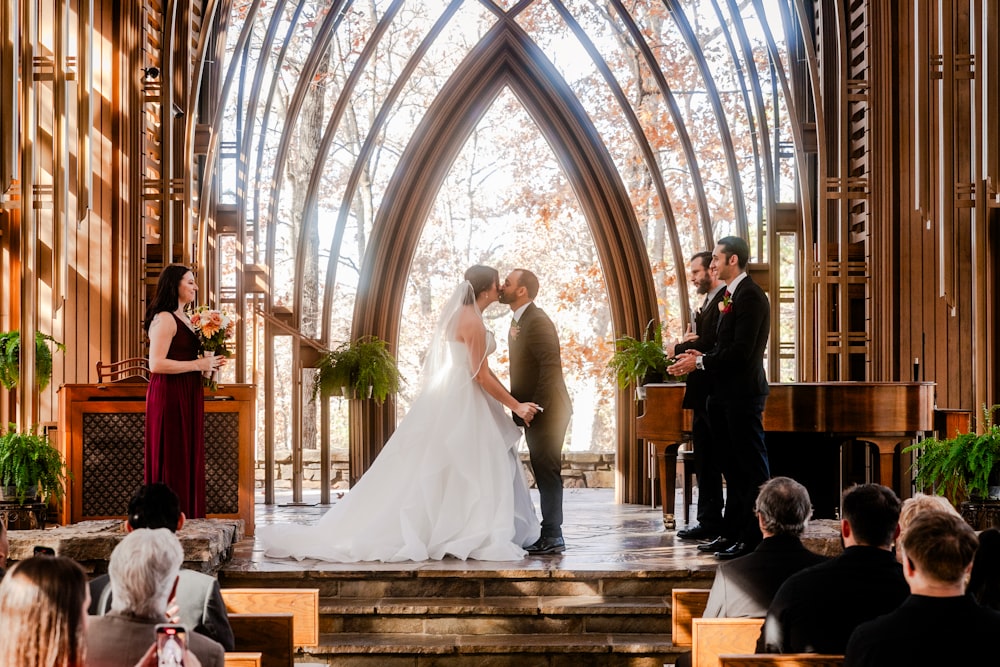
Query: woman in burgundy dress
{"points": [[175, 400]]}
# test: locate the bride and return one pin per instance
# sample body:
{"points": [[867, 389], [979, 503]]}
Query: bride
{"points": [[449, 481]]}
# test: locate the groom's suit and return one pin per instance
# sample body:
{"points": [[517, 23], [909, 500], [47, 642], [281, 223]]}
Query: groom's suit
{"points": [[736, 405], [536, 375]]}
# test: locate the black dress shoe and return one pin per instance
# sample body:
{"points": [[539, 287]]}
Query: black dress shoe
{"points": [[718, 544], [546, 545], [698, 533], [735, 551]]}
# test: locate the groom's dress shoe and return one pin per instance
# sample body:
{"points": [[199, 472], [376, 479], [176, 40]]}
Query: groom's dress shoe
{"points": [[718, 544], [698, 533], [735, 551], [546, 545]]}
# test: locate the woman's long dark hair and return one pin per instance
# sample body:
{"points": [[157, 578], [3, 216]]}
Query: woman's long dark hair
{"points": [[481, 278], [167, 293]]}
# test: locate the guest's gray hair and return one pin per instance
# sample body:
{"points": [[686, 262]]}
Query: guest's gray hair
{"points": [[142, 570], [783, 505]]}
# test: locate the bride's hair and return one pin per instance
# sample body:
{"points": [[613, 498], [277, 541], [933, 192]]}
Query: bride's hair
{"points": [[481, 278]]}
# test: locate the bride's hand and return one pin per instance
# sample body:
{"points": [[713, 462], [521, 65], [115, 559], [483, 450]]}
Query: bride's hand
{"points": [[527, 411]]}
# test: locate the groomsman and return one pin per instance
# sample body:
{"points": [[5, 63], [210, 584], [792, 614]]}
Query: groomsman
{"points": [[701, 336], [739, 391], [536, 375]]}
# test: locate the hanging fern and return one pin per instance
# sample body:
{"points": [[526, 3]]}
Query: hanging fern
{"points": [[10, 358]]}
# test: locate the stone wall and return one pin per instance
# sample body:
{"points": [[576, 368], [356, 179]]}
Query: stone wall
{"points": [[579, 470]]}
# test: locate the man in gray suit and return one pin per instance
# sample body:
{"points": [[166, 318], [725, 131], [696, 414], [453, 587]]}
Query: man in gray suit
{"points": [[143, 570], [198, 598], [536, 376]]}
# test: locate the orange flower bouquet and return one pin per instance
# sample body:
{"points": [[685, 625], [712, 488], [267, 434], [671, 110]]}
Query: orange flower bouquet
{"points": [[215, 329]]}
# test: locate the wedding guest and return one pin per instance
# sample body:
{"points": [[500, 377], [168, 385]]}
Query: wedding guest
{"points": [[143, 570], [913, 507], [175, 399], [938, 548], [198, 598], [43, 604], [4, 548], [984, 582], [817, 609]]}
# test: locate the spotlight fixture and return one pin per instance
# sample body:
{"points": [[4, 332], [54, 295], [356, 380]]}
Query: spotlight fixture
{"points": [[151, 72], [178, 112]]}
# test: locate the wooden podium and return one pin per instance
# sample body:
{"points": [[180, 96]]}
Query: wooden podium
{"points": [[102, 437]]}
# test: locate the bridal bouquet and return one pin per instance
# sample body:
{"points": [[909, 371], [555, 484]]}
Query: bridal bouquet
{"points": [[214, 328]]}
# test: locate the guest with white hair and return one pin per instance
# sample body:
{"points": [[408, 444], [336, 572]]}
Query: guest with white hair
{"points": [[143, 571]]}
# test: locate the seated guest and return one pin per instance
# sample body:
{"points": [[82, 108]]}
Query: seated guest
{"points": [[43, 604], [919, 504], [199, 600], [938, 548], [817, 609], [984, 582], [144, 571], [745, 586]]}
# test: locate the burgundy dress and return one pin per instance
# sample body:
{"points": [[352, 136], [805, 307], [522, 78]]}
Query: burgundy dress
{"points": [[175, 426]]}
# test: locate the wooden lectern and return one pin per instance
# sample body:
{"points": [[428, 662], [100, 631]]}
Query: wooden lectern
{"points": [[102, 437]]}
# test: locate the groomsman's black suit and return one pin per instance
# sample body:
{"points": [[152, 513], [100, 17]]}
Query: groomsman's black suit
{"points": [[536, 375], [736, 406], [699, 385]]}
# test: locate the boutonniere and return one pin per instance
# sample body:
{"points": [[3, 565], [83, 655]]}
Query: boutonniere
{"points": [[727, 303], [515, 329]]}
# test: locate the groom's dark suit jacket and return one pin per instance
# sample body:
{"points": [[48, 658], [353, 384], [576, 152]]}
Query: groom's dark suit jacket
{"points": [[536, 366], [736, 364]]}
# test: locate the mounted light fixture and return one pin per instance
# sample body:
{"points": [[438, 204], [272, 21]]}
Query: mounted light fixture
{"points": [[151, 72], [178, 111]]}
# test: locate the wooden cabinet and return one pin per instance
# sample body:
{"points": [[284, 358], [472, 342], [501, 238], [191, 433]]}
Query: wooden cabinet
{"points": [[102, 433]]}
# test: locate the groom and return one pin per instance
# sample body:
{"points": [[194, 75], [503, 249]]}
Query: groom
{"points": [[536, 375]]}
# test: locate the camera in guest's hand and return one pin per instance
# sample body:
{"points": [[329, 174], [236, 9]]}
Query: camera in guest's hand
{"points": [[171, 644], [39, 550]]}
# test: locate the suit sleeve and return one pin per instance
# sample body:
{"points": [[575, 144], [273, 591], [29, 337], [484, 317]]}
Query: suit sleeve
{"points": [[543, 341], [215, 619], [716, 597]]}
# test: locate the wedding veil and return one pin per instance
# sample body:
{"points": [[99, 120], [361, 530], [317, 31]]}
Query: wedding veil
{"points": [[441, 353]]}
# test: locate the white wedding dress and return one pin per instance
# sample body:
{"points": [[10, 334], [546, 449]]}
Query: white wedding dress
{"points": [[448, 483]]}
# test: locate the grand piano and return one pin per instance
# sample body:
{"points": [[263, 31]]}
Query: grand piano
{"points": [[884, 414]]}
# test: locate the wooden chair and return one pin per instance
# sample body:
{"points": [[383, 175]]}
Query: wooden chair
{"points": [[243, 659], [784, 660], [267, 635], [712, 637], [686, 604], [135, 369], [301, 603]]}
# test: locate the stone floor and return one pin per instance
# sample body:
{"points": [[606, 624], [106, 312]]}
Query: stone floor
{"points": [[600, 535]]}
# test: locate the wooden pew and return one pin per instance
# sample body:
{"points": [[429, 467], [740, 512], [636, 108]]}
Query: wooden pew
{"points": [[246, 659], [782, 660], [269, 635], [301, 603], [712, 637], [686, 604]]}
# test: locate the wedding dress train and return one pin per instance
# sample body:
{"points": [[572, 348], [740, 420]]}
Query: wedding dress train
{"points": [[448, 483]]}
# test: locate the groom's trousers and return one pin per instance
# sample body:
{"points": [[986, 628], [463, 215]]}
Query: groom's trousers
{"points": [[545, 438]]}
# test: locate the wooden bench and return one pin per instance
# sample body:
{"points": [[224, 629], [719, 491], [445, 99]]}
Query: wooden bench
{"points": [[273, 621], [712, 637], [267, 635], [782, 660], [243, 659], [301, 603], [686, 604]]}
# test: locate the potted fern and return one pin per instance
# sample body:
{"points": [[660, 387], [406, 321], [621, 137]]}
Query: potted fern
{"points": [[963, 469], [10, 358], [32, 473], [336, 372], [638, 362]]}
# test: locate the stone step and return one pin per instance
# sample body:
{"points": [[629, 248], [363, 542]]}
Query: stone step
{"points": [[504, 650], [496, 615]]}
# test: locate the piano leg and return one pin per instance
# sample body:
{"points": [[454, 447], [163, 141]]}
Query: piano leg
{"points": [[666, 460], [886, 460]]}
